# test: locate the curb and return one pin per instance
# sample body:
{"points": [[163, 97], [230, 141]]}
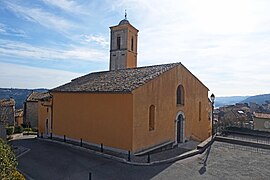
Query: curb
{"points": [[200, 149]]}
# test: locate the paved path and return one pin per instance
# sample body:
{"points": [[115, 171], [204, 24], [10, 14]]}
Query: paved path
{"points": [[47, 160]]}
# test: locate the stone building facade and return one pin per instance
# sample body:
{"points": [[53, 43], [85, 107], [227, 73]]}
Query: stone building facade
{"points": [[261, 121], [7, 111], [32, 108]]}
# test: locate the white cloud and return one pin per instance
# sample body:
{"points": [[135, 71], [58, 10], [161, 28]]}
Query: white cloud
{"points": [[67, 5], [101, 40], [225, 43], [32, 77], [5, 30], [19, 49], [42, 17]]}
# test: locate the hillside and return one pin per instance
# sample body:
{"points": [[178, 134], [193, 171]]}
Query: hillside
{"points": [[259, 99], [222, 101], [19, 95]]}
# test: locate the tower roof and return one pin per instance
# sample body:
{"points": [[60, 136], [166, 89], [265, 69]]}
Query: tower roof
{"points": [[124, 21]]}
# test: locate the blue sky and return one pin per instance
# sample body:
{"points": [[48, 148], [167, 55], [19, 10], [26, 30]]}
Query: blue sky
{"points": [[225, 43]]}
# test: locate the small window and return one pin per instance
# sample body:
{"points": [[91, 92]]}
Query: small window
{"points": [[132, 44], [47, 109], [200, 110], [118, 42], [180, 95], [151, 118]]}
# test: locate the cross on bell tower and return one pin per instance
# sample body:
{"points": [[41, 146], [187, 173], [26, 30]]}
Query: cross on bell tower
{"points": [[123, 47]]}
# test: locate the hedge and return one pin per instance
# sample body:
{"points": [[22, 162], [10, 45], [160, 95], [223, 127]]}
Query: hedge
{"points": [[8, 163]]}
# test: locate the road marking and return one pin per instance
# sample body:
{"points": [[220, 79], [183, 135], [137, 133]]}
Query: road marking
{"points": [[23, 153]]}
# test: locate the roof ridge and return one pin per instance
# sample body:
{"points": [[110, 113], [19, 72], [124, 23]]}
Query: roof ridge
{"points": [[122, 80]]}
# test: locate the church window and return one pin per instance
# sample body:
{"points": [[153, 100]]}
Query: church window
{"points": [[151, 118], [180, 95], [118, 42], [132, 44]]}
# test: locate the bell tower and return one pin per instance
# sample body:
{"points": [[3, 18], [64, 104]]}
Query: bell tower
{"points": [[123, 46]]}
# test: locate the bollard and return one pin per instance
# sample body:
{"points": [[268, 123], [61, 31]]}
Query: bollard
{"points": [[148, 157], [81, 142], [41, 135], [37, 133], [51, 135], [90, 176], [64, 138], [128, 155], [101, 147]]}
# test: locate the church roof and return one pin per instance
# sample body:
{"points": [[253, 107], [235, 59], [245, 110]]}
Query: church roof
{"points": [[123, 80]]}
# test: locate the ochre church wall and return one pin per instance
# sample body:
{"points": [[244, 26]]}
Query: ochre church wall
{"points": [[95, 117], [161, 92]]}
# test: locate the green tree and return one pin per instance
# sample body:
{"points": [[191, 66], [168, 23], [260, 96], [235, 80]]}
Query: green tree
{"points": [[8, 163]]}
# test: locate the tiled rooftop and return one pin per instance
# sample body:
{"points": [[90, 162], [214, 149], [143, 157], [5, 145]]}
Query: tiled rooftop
{"points": [[262, 115], [7, 102], [18, 112], [35, 96], [124, 80]]}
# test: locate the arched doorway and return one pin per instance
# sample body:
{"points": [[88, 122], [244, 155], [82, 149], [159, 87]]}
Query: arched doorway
{"points": [[180, 128]]}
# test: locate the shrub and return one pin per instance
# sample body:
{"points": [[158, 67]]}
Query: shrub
{"points": [[10, 130], [17, 175], [18, 129], [8, 163], [24, 125], [34, 129], [27, 129]]}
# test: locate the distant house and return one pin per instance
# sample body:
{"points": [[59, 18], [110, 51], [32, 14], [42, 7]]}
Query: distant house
{"points": [[18, 117], [45, 114], [7, 111], [261, 121], [34, 108]]}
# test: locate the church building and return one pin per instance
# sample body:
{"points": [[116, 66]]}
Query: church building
{"points": [[130, 108]]}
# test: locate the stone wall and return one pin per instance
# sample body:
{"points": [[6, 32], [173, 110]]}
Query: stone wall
{"points": [[3, 134], [7, 114], [31, 113]]}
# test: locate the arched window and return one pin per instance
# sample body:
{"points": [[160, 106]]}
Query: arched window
{"points": [[118, 42], [151, 118], [132, 44], [180, 95]]}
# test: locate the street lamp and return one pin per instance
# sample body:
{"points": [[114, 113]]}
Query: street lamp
{"points": [[212, 97]]}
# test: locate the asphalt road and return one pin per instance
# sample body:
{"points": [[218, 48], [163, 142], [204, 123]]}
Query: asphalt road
{"points": [[48, 160]]}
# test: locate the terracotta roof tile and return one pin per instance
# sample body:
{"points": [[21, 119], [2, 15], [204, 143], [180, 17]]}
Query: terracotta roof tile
{"points": [[7, 102], [18, 112], [35, 96], [124, 80], [262, 115]]}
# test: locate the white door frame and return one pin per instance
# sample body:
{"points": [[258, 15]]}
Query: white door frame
{"points": [[182, 131]]}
